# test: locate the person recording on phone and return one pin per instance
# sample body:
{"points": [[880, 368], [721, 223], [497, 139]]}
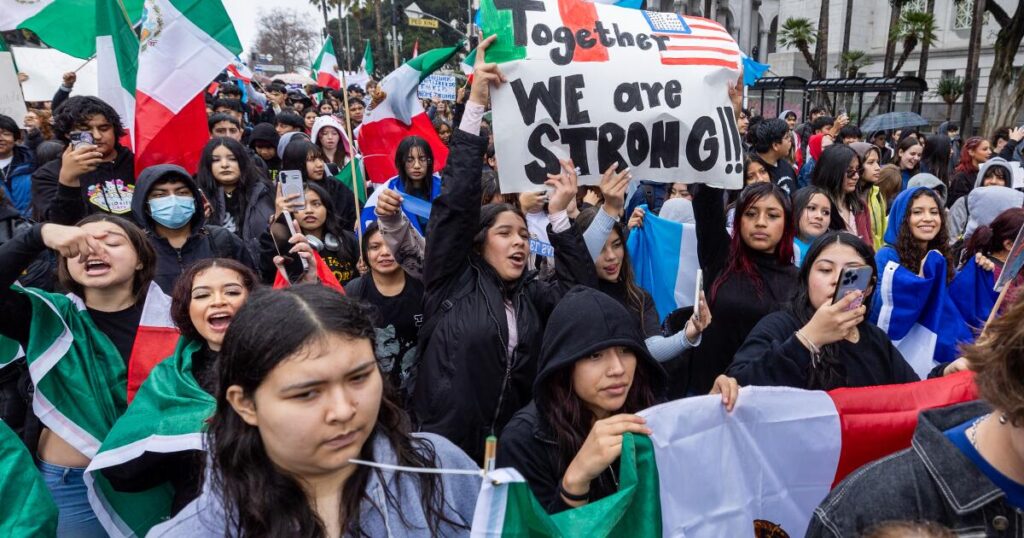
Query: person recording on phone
{"points": [[823, 340], [96, 174]]}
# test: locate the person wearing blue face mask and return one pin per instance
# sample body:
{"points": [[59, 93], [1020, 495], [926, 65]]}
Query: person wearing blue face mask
{"points": [[170, 208]]}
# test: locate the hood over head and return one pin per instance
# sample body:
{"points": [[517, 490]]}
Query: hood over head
{"points": [[994, 162], [862, 148], [330, 121], [814, 146], [585, 321], [924, 179], [149, 177], [285, 139], [678, 210], [898, 212], [263, 132], [984, 204]]}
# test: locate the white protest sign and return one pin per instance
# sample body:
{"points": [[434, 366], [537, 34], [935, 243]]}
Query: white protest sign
{"points": [[1018, 175], [610, 85], [12, 103], [440, 86], [45, 69]]}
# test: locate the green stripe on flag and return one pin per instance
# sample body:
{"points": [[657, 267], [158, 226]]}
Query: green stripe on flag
{"points": [[111, 20], [27, 508], [70, 25], [211, 17], [432, 60], [368, 58], [167, 415], [345, 176], [499, 21]]}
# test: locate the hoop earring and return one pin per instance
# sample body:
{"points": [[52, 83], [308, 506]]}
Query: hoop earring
{"points": [[1002, 419]]}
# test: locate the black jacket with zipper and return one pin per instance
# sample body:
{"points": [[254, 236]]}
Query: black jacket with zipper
{"points": [[467, 387], [204, 241], [108, 189]]}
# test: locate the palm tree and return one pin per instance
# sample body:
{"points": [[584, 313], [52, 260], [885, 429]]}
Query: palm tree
{"points": [[800, 34], [950, 89], [922, 64], [915, 27], [852, 62], [847, 23], [821, 50]]}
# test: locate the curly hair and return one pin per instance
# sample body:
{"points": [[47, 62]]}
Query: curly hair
{"points": [[181, 295], [77, 110], [998, 363], [909, 249]]}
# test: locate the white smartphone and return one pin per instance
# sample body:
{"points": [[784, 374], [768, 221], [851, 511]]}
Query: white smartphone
{"points": [[291, 183], [696, 294]]}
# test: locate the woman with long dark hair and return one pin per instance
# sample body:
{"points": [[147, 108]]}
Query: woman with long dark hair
{"points": [[416, 178], [306, 157], [240, 201], [975, 151], [302, 395], [336, 244], [838, 173], [746, 276], [907, 159], [595, 374], [812, 213], [819, 341], [84, 340], [935, 157], [485, 313], [155, 450], [871, 178], [917, 226]]}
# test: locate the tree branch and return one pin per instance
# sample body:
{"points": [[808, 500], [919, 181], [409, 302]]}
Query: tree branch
{"points": [[999, 13]]}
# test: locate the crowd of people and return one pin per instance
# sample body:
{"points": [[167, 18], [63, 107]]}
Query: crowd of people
{"points": [[429, 333]]}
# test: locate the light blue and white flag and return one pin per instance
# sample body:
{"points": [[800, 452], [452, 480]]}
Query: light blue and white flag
{"points": [[664, 257], [918, 314]]}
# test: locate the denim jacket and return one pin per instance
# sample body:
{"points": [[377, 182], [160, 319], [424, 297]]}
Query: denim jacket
{"points": [[931, 481]]}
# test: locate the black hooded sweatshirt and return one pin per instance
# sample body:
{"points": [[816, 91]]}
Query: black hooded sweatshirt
{"points": [[108, 189], [585, 321], [204, 241]]}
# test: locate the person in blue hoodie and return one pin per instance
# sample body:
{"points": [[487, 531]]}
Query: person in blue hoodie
{"points": [[168, 206], [912, 302], [417, 182], [17, 164]]}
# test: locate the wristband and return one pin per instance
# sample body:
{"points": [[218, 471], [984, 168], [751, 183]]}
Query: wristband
{"points": [[570, 496]]}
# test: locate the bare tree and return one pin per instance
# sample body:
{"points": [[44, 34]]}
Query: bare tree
{"points": [[288, 37]]}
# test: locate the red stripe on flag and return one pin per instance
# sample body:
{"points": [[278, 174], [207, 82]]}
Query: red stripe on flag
{"points": [[701, 37], [378, 141], [152, 345], [731, 52], [163, 137], [580, 15], [323, 272], [717, 25], [878, 421], [718, 29], [327, 80], [699, 61]]}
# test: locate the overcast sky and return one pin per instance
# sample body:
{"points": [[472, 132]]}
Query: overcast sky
{"points": [[244, 14]]}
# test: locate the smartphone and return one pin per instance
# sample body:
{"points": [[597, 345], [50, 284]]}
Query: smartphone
{"points": [[81, 138], [291, 183], [850, 280], [696, 294]]}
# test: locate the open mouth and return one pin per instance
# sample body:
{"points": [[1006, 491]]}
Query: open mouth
{"points": [[96, 267], [518, 259], [219, 321]]}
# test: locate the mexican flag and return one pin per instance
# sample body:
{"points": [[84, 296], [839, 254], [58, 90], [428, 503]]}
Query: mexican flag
{"points": [[69, 26], [28, 508], [326, 67], [705, 472], [345, 176], [184, 45], [168, 414], [81, 381], [401, 115], [10, 351], [366, 66], [117, 62]]}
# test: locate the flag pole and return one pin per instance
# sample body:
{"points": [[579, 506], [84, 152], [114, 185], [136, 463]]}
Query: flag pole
{"points": [[995, 310], [352, 146]]}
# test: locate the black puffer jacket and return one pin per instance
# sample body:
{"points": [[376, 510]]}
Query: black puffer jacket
{"points": [[584, 322], [467, 385], [205, 241]]}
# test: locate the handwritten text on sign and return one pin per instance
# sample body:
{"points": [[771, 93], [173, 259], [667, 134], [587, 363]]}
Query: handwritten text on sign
{"points": [[440, 86], [603, 85]]}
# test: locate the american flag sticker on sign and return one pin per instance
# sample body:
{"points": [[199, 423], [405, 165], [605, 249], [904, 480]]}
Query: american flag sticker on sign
{"points": [[694, 41]]}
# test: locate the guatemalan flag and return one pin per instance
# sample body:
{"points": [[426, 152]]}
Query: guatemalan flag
{"points": [[917, 312], [708, 473], [664, 257]]}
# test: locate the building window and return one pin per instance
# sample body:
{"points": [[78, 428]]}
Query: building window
{"points": [[963, 14], [773, 33], [914, 5], [948, 73]]}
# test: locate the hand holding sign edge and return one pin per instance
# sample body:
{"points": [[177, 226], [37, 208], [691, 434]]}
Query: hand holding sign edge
{"points": [[484, 74]]}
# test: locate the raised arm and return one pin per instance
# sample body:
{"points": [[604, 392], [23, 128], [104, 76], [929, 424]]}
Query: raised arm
{"points": [[712, 239]]}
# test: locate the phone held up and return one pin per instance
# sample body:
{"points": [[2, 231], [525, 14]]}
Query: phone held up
{"points": [[851, 280], [291, 183]]}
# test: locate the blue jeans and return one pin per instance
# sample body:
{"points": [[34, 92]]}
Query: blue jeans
{"points": [[75, 517]]}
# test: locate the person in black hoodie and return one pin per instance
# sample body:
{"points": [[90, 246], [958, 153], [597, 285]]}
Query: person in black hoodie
{"points": [[263, 143], [484, 313], [746, 277], [818, 343], [92, 178], [165, 206], [594, 374]]}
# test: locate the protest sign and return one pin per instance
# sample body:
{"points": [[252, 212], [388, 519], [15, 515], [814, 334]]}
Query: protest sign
{"points": [[440, 86], [604, 85], [45, 69], [12, 103]]}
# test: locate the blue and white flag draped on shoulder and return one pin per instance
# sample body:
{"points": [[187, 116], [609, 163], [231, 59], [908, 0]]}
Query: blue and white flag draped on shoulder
{"points": [[917, 312], [972, 291], [664, 257], [416, 209]]}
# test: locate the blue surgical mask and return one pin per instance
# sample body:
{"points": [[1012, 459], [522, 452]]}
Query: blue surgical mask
{"points": [[172, 211]]}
